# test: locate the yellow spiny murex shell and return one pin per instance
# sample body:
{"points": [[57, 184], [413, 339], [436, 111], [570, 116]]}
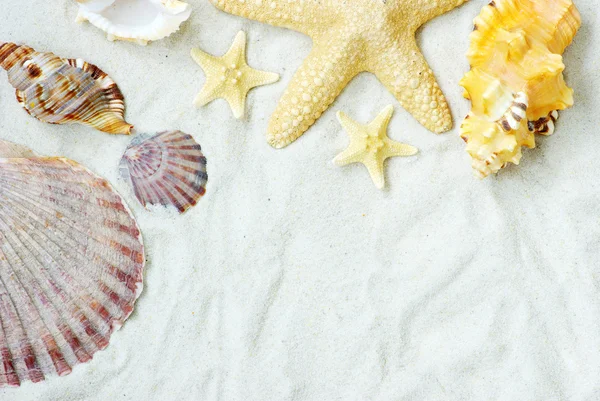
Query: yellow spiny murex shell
{"points": [[516, 82], [56, 90]]}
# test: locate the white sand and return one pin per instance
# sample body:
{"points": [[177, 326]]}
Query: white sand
{"points": [[298, 280]]}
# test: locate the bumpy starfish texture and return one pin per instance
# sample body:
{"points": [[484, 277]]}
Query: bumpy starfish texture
{"points": [[370, 145], [349, 37], [229, 77]]}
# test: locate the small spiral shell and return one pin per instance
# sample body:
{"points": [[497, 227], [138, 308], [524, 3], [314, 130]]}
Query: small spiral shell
{"points": [[545, 125], [511, 120]]}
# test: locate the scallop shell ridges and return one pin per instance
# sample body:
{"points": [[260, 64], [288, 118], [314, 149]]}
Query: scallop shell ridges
{"points": [[71, 266], [64, 91], [515, 54], [167, 169]]}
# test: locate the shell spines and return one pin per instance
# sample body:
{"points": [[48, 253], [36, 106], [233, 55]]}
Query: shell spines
{"points": [[516, 82]]}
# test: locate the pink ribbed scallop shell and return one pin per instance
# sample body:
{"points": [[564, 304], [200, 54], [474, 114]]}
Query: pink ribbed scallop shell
{"points": [[167, 169], [71, 265], [64, 91]]}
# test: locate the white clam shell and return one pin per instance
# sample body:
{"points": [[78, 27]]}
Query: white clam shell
{"points": [[95, 5], [138, 21]]}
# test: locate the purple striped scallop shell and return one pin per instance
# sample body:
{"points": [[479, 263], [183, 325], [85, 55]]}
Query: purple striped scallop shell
{"points": [[64, 91], [167, 169], [71, 265]]}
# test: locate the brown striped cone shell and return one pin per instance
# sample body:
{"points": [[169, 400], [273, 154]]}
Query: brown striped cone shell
{"points": [[63, 91], [167, 169], [71, 265]]}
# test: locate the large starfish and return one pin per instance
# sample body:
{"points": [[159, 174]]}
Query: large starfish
{"points": [[350, 37]]}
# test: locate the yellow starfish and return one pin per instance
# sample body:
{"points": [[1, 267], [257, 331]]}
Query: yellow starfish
{"points": [[349, 37], [370, 145], [229, 77]]}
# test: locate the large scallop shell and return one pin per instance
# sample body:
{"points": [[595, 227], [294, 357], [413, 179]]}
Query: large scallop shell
{"points": [[167, 169], [64, 91], [71, 265], [516, 81], [136, 21]]}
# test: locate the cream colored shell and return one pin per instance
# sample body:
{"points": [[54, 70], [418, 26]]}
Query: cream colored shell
{"points": [[138, 21]]}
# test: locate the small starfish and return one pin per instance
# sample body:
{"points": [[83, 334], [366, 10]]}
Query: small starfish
{"points": [[350, 37], [229, 77], [370, 145]]}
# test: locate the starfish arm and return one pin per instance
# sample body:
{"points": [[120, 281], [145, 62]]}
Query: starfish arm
{"points": [[237, 51], [393, 148], [237, 102], [353, 154], [260, 78], [205, 60], [376, 171], [298, 16], [373, 163], [425, 14], [354, 129], [208, 93], [404, 71], [208, 63], [253, 78], [321, 78], [381, 122]]}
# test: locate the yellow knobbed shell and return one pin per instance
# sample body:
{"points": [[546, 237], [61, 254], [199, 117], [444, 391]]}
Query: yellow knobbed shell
{"points": [[516, 81], [63, 91]]}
